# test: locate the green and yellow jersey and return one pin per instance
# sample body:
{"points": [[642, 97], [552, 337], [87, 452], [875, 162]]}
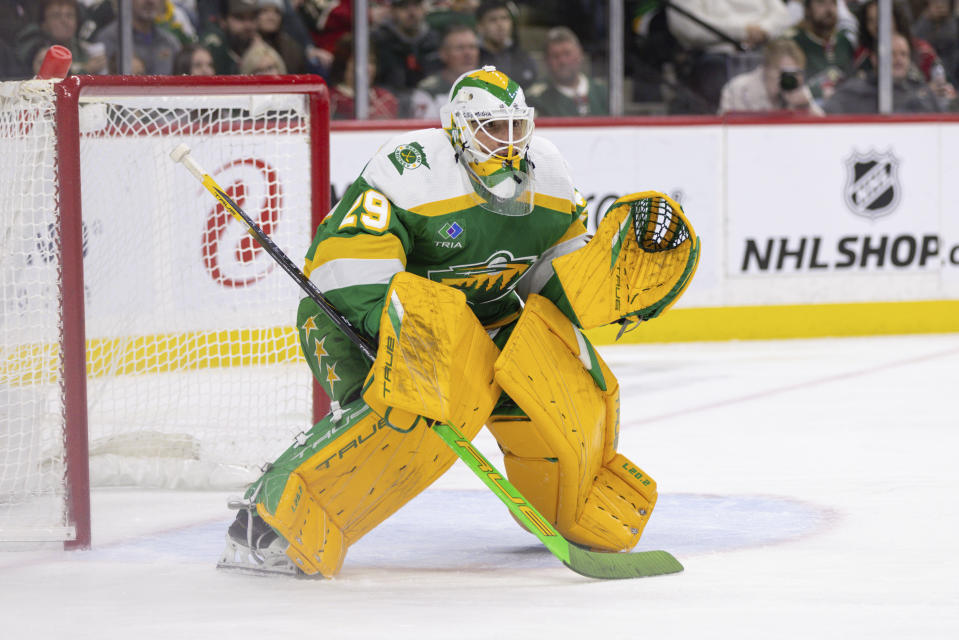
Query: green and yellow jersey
{"points": [[413, 208]]}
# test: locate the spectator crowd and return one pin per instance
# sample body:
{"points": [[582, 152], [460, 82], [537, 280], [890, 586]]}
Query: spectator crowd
{"points": [[682, 56]]}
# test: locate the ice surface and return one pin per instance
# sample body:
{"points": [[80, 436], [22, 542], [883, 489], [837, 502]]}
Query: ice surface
{"points": [[808, 486]]}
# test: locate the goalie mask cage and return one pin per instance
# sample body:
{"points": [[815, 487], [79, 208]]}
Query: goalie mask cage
{"points": [[145, 338]]}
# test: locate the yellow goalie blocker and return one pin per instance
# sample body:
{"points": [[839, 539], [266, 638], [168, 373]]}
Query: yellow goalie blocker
{"points": [[343, 478]]}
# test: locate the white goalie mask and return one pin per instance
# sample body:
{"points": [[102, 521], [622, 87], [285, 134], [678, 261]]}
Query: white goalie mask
{"points": [[490, 127]]}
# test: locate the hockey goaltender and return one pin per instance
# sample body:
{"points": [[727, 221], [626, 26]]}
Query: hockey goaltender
{"points": [[461, 252]]}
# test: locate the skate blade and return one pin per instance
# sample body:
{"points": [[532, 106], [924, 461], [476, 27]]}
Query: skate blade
{"points": [[261, 570], [237, 558]]}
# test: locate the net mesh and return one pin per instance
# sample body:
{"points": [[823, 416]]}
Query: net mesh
{"points": [[657, 226], [194, 373], [32, 459]]}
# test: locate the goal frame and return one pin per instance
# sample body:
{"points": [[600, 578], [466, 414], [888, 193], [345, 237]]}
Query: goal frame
{"points": [[68, 93]]}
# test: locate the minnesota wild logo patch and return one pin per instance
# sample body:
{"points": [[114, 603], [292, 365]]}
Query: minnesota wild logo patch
{"points": [[408, 156], [485, 281]]}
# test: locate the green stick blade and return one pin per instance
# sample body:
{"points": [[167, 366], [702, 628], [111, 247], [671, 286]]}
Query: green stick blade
{"points": [[640, 564], [593, 564]]}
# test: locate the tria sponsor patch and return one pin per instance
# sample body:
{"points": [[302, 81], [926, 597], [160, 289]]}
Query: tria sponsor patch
{"points": [[450, 233]]}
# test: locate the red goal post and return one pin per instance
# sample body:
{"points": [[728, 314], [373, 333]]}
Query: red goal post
{"points": [[145, 338]]}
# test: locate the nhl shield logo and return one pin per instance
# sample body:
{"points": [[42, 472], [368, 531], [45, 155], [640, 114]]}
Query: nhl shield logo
{"points": [[872, 183]]}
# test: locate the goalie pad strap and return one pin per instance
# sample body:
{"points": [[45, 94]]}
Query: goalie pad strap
{"points": [[563, 456]]}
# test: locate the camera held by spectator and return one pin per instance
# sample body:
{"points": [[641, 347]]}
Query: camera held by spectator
{"points": [[779, 83], [793, 93]]}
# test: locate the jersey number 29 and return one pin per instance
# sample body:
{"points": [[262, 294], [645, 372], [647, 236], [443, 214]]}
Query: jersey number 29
{"points": [[373, 215]]}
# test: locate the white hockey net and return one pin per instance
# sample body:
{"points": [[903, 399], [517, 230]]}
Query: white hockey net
{"points": [[32, 457], [194, 377]]}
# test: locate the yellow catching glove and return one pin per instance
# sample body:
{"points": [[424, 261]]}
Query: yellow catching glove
{"points": [[638, 264]]}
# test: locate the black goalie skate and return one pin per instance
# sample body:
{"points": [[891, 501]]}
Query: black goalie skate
{"points": [[252, 546]]}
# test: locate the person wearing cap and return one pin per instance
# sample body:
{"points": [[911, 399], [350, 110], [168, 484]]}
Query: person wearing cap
{"points": [[153, 46], [406, 47], [232, 35]]}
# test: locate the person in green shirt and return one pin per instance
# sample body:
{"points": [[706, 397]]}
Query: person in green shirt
{"points": [[567, 91], [228, 40], [454, 12], [829, 50]]}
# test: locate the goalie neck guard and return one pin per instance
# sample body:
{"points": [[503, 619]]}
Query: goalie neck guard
{"points": [[490, 127]]}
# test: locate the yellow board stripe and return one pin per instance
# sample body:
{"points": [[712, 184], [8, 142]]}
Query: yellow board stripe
{"points": [[164, 353], [37, 363], [358, 247], [792, 321]]}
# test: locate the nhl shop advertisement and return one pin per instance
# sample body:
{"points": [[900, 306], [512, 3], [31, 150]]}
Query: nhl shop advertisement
{"points": [[843, 199]]}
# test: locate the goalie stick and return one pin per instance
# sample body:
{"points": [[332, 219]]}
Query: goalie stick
{"points": [[593, 564]]}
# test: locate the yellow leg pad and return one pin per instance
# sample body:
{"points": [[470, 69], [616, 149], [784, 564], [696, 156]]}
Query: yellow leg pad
{"points": [[537, 479], [434, 359], [348, 484], [616, 510], [563, 456], [316, 543]]}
